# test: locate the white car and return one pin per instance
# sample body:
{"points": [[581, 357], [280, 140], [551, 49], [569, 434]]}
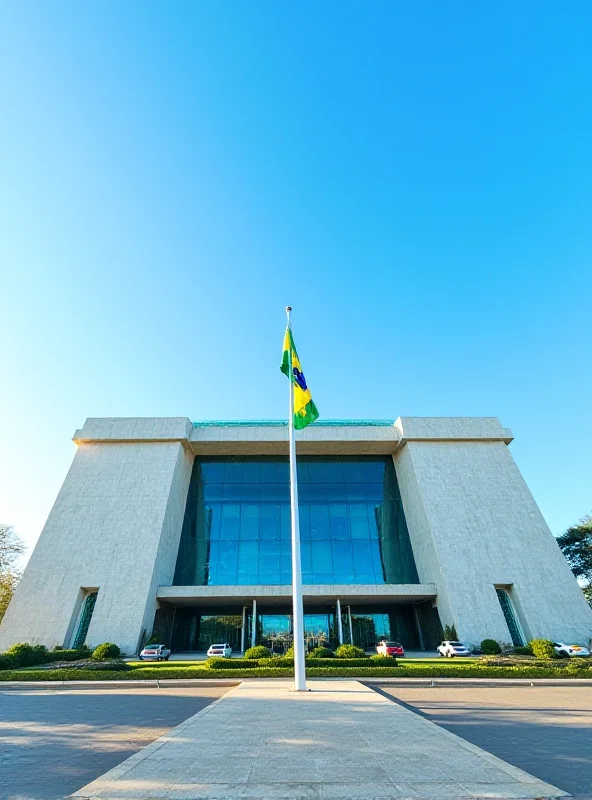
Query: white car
{"points": [[451, 649], [570, 650], [217, 650], [155, 652]]}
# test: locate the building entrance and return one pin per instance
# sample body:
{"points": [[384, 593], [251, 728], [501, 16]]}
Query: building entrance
{"points": [[194, 629], [276, 632]]}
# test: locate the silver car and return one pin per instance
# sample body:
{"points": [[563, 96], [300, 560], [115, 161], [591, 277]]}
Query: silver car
{"points": [[155, 652]]}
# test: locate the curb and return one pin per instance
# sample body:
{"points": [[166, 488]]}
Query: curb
{"points": [[154, 684], [197, 682]]}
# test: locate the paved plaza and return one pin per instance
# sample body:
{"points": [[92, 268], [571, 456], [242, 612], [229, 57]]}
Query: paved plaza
{"points": [[340, 740], [53, 742], [546, 730]]}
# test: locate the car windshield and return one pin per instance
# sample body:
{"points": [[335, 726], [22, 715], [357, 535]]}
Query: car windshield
{"points": [[456, 644], [392, 644]]}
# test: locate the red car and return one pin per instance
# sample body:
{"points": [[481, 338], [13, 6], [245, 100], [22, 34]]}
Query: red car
{"points": [[390, 649]]}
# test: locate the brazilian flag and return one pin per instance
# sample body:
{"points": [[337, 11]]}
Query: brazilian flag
{"points": [[305, 410]]}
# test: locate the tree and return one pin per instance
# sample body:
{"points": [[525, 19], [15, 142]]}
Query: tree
{"points": [[8, 582], [576, 544], [11, 548]]}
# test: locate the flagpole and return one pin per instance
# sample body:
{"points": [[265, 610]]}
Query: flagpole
{"points": [[298, 612]]}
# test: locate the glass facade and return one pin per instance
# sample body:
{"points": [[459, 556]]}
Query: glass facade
{"points": [[236, 529], [84, 622], [510, 616], [190, 629]]}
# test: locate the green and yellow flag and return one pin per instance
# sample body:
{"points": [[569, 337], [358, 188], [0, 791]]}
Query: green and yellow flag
{"points": [[305, 410]]}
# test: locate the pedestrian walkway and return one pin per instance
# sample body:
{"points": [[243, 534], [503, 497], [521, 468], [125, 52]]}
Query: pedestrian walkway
{"points": [[340, 740]]}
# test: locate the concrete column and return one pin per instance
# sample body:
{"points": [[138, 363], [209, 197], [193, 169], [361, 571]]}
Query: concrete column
{"points": [[351, 630], [243, 629], [254, 625], [339, 625]]}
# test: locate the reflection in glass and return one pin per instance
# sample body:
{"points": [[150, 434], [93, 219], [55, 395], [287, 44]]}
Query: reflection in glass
{"points": [[236, 529]]}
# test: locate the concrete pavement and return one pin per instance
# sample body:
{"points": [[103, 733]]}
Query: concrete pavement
{"points": [[53, 742], [544, 730], [341, 740]]}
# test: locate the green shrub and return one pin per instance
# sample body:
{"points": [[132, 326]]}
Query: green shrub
{"points": [[23, 655], [523, 651], [542, 648], [321, 652], [105, 651], [383, 661], [258, 652], [289, 652], [233, 663], [490, 647], [349, 651]]}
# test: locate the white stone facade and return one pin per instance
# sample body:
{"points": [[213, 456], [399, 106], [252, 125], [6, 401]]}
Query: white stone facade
{"points": [[475, 526], [116, 526]]}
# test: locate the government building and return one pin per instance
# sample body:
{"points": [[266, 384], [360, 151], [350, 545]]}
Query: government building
{"points": [[182, 530]]}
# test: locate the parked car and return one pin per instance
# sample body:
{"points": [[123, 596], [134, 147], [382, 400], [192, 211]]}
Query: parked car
{"points": [[570, 650], [155, 652], [384, 648], [452, 649], [224, 650]]}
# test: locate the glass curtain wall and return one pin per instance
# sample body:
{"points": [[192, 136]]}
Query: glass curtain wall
{"points": [[510, 617], [236, 529], [196, 629], [85, 617]]}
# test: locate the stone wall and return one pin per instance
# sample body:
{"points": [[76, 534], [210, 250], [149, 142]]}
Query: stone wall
{"points": [[474, 525], [115, 526]]}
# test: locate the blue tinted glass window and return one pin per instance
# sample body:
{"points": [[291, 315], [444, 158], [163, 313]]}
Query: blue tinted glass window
{"points": [[237, 527]]}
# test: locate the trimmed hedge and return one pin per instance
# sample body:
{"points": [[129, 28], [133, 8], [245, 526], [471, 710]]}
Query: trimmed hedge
{"points": [[258, 652], [404, 672], [338, 671], [282, 663], [231, 663]]}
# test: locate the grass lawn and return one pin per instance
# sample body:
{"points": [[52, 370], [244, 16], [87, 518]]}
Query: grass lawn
{"points": [[320, 668]]}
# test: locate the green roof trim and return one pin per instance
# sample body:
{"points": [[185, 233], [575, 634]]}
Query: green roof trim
{"points": [[279, 423]]}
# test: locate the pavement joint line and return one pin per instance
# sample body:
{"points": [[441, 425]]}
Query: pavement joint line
{"points": [[509, 769], [136, 758], [270, 693]]}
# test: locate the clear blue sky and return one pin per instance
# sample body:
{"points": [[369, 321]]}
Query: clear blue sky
{"points": [[413, 178]]}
